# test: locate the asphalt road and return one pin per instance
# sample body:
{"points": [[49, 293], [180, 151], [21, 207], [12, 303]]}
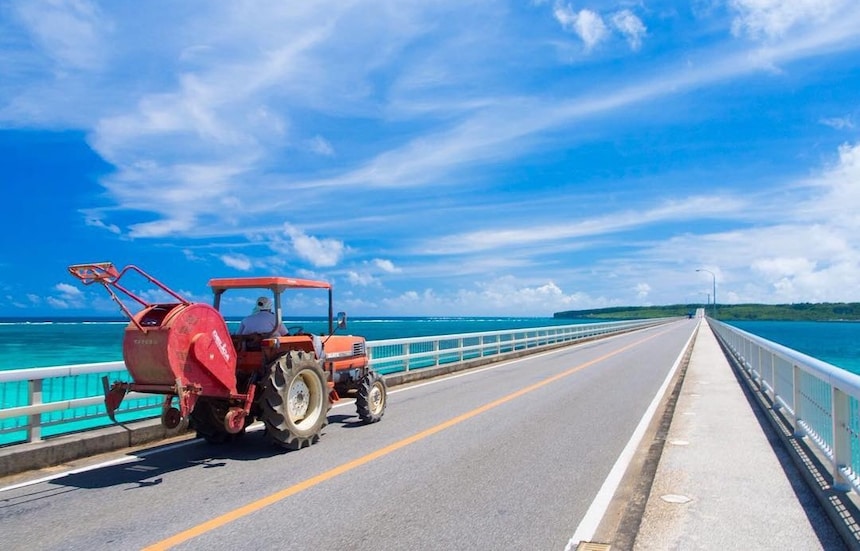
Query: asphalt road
{"points": [[509, 456]]}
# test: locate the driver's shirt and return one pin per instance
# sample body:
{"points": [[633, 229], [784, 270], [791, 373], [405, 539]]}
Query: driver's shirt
{"points": [[261, 322]]}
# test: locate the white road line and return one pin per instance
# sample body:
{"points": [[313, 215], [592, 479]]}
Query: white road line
{"points": [[588, 526], [109, 463]]}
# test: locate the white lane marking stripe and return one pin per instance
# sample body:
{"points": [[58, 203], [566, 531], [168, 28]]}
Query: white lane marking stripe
{"points": [[111, 462], [589, 523]]}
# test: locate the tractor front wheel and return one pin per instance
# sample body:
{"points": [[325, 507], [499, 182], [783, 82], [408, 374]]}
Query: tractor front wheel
{"points": [[295, 401], [372, 397]]}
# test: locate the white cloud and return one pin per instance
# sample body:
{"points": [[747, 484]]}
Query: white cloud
{"points": [[592, 29], [321, 253], [96, 222], [321, 146], [588, 25], [808, 251], [362, 280], [774, 18], [778, 268], [237, 261], [838, 123], [220, 122], [410, 296], [57, 303], [190, 255], [502, 296], [68, 290], [839, 202], [630, 26], [161, 228], [70, 32], [154, 296], [488, 239], [642, 290], [386, 266], [508, 295], [69, 297]]}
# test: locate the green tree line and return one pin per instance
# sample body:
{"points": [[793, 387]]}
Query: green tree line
{"points": [[825, 311]]}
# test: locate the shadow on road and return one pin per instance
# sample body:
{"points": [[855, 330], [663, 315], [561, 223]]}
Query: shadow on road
{"points": [[156, 461]]}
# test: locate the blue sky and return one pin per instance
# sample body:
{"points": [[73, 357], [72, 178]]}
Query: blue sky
{"points": [[434, 158]]}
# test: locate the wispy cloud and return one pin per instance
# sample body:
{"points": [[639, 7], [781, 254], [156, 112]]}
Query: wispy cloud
{"points": [[237, 261], [433, 154], [70, 33], [697, 208], [774, 18], [386, 265], [321, 146], [221, 124], [839, 123]]}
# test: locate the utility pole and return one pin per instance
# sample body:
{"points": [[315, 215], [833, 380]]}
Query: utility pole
{"points": [[715, 288]]}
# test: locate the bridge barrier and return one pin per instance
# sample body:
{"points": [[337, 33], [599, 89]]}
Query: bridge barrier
{"points": [[818, 399], [41, 403]]}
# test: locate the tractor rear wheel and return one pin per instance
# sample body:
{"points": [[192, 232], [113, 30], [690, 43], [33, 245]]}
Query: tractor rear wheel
{"points": [[207, 418], [295, 400], [372, 397]]}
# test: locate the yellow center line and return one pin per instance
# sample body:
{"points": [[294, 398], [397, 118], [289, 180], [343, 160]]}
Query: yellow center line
{"points": [[255, 506]]}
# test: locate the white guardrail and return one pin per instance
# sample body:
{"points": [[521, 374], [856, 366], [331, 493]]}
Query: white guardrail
{"points": [[47, 401], [820, 400]]}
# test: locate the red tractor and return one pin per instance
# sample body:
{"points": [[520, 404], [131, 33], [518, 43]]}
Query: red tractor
{"points": [[221, 383]]}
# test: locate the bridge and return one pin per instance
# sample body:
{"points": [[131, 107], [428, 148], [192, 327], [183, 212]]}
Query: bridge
{"points": [[677, 434]]}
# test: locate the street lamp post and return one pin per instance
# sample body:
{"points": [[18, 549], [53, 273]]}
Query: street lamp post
{"points": [[715, 288]]}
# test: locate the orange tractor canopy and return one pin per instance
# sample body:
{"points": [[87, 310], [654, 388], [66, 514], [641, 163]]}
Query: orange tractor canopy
{"points": [[223, 382]]}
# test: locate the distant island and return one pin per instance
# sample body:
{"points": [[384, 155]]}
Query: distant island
{"points": [[825, 311]]}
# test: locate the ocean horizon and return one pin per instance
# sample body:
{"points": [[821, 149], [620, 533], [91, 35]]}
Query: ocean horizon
{"points": [[28, 342]]}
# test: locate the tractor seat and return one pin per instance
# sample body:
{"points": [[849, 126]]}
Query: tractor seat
{"points": [[250, 342]]}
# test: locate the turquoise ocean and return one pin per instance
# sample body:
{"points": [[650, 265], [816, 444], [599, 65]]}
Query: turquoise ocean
{"points": [[26, 343], [834, 342]]}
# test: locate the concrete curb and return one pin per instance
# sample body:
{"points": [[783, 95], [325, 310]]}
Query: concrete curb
{"points": [[56, 451]]}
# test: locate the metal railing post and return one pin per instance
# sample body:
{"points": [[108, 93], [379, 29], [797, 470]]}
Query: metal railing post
{"points": [[796, 382], [408, 348], [841, 438], [34, 423], [773, 375]]}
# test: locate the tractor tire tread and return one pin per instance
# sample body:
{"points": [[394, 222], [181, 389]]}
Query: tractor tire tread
{"points": [[362, 401], [279, 429]]}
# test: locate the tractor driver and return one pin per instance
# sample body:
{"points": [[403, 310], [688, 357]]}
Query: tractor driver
{"points": [[261, 320]]}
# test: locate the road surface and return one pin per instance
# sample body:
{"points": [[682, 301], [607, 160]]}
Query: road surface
{"points": [[509, 456]]}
